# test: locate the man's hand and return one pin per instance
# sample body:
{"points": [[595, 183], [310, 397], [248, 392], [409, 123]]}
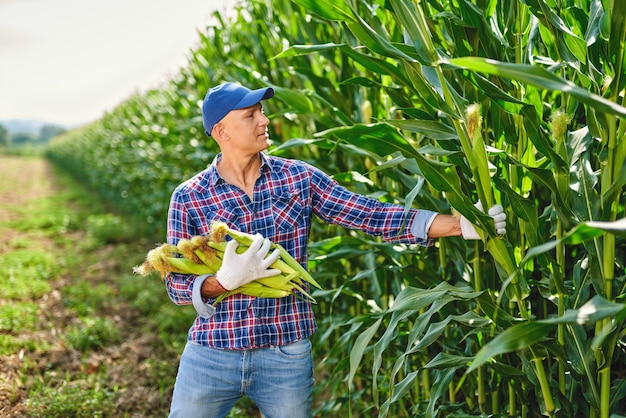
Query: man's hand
{"points": [[497, 214], [239, 269]]}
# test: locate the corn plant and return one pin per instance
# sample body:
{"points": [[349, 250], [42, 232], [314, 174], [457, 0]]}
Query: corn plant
{"points": [[437, 105], [518, 103]]}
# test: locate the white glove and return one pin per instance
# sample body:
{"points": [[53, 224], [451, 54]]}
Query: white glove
{"points": [[497, 214], [239, 269]]}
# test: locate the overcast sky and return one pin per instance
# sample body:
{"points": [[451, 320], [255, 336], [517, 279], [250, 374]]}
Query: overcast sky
{"points": [[69, 61]]}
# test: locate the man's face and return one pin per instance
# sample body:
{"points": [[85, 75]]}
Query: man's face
{"points": [[246, 129]]}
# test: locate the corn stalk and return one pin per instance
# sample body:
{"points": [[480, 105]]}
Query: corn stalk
{"points": [[429, 80]]}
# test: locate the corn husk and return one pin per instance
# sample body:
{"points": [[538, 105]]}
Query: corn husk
{"points": [[203, 255]]}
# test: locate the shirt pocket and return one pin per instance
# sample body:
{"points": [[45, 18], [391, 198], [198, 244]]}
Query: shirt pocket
{"points": [[229, 215], [287, 210]]}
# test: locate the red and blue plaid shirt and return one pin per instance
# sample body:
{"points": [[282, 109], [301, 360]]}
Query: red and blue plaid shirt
{"points": [[286, 196]]}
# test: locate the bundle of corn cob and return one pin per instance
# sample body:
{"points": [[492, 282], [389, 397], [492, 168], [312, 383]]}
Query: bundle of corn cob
{"points": [[203, 255]]}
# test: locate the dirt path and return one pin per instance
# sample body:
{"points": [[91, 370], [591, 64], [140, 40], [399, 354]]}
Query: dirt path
{"points": [[47, 358], [22, 180], [31, 177]]}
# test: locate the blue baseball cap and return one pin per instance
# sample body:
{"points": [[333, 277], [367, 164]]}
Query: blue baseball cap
{"points": [[220, 100]]}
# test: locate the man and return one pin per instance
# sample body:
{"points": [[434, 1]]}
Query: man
{"points": [[260, 347]]}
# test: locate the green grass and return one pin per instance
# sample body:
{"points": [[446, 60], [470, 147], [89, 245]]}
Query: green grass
{"points": [[29, 262], [12, 344], [26, 273], [18, 316], [17, 288], [87, 298], [92, 333], [83, 396], [142, 293], [55, 215]]}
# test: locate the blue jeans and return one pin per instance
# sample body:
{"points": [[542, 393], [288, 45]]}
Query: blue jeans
{"points": [[279, 380]]}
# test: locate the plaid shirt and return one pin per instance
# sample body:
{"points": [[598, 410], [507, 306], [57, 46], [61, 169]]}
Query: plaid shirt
{"points": [[286, 196]]}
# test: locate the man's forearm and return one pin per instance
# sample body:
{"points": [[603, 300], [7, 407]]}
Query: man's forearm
{"points": [[211, 288], [444, 226]]}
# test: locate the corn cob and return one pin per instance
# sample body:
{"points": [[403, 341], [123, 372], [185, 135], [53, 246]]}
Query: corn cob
{"points": [[278, 264], [203, 255], [255, 289], [219, 229]]}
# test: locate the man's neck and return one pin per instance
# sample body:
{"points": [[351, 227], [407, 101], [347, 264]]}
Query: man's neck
{"points": [[240, 172]]}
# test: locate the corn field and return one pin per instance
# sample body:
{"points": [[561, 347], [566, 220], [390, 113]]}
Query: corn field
{"points": [[438, 105]]}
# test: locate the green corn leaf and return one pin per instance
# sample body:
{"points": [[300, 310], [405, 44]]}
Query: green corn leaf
{"points": [[419, 35], [439, 387], [383, 343], [327, 9], [424, 81], [581, 357], [616, 227], [546, 178], [397, 160], [583, 232], [512, 339], [370, 62], [298, 50], [379, 138], [538, 76], [443, 177], [299, 101], [616, 44], [301, 142], [416, 299], [504, 369], [575, 45], [447, 361], [429, 128], [594, 310], [471, 318], [402, 387], [420, 341], [376, 65], [616, 187], [356, 354], [539, 138], [494, 312], [502, 98], [525, 334], [375, 41]]}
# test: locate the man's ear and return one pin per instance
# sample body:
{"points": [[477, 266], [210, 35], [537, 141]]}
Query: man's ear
{"points": [[218, 132]]}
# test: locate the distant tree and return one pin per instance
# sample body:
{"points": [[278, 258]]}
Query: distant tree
{"points": [[5, 139], [50, 131], [20, 139]]}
